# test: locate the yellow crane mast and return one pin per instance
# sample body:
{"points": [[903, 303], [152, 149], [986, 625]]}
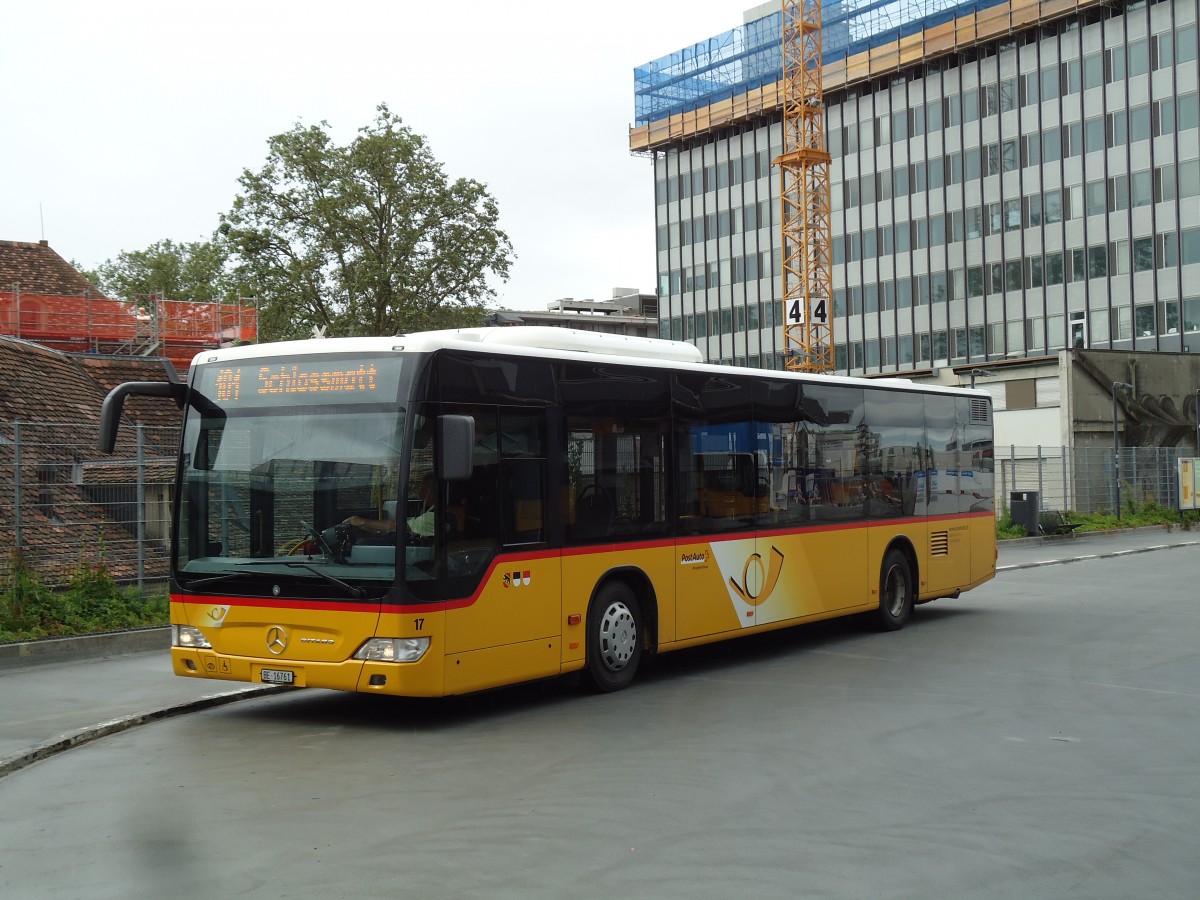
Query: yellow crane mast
{"points": [[804, 195]]}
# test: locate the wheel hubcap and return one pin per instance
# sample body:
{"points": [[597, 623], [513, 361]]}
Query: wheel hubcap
{"points": [[895, 593], [618, 636]]}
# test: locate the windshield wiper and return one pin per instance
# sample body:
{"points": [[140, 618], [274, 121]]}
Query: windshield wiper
{"points": [[356, 592], [212, 579]]}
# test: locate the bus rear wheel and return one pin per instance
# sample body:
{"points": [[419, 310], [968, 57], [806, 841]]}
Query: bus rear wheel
{"points": [[895, 592], [614, 642]]}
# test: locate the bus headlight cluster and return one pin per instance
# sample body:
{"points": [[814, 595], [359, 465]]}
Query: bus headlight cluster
{"points": [[189, 637], [393, 649]]}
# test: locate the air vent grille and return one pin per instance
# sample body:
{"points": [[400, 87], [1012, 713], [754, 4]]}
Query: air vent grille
{"points": [[939, 543]]}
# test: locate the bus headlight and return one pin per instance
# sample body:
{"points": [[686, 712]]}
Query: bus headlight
{"points": [[189, 637], [393, 649]]}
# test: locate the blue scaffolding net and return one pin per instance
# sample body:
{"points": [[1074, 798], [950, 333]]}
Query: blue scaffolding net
{"points": [[751, 55]]}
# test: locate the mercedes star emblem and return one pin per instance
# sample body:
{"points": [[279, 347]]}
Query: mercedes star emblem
{"points": [[276, 640]]}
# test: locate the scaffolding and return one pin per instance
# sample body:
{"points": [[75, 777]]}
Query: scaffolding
{"points": [[747, 57], [156, 326]]}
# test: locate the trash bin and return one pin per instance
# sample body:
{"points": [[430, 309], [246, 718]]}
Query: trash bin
{"points": [[1025, 509]]}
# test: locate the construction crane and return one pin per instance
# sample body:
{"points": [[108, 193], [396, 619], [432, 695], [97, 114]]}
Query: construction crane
{"points": [[804, 195]]}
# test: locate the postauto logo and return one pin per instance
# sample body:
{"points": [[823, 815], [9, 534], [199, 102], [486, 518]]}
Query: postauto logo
{"points": [[753, 589]]}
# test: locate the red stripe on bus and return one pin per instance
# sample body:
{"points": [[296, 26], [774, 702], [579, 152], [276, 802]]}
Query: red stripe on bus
{"points": [[506, 561]]}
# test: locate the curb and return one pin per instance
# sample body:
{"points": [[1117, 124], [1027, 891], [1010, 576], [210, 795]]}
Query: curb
{"points": [[1085, 557], [1039, 540], [88, 646], [116, 726]]}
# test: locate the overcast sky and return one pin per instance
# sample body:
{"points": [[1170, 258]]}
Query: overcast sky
{"points": [[124, 123]]}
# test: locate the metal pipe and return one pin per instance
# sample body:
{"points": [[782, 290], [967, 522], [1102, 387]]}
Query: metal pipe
{"points": [[1117, 446], [141, 506], [986, 373], [17, 498]]}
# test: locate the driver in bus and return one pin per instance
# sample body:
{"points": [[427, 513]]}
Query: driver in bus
{"points": [[421, 525]]}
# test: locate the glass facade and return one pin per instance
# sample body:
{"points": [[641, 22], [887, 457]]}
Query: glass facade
{"points": [[1024, 195]]}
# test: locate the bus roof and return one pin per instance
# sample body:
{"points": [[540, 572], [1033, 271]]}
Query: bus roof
{"points": [[543, 341]]}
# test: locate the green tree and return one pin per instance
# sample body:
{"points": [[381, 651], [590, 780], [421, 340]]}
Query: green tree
{"points": [[368, 238], [198, 271]]}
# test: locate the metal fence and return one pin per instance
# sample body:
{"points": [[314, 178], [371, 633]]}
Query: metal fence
{"points": [[1085, 480], [64, 505]]}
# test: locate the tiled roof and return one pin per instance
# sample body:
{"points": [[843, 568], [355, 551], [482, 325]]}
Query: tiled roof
{"points": [[36, 269], [70, 512], [45, 386], [109, 371]]}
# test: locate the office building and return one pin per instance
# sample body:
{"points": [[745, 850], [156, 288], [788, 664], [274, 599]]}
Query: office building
{"points": [[1009, 179]]}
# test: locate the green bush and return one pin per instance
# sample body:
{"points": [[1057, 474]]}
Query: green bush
{"points": [[91, 603], [1133, 515], [1006, 528]]}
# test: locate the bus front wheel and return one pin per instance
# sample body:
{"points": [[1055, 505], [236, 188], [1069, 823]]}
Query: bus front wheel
{"points": [[895, 592], [614, 646]]}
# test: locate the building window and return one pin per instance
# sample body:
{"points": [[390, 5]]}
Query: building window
{"points": [[1191, 314], [1033, 210], [1118, 258], [1033, 277], [1015, 334], [1188, 111], [1166, 251], [1185, 44], [1114, 65], [1122, 326], [974, 281], [1033, 333], [1139, 123], [1169, 316], [1141, 188], [1139, 57], [1054, 332], [1143, 320], [1012, 276], [1190, 240], [1054, 268], [1117, 133], [1143, 254], [995, 339]]}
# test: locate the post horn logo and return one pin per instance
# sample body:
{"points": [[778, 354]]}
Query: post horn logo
{"points": [[746, 589]]}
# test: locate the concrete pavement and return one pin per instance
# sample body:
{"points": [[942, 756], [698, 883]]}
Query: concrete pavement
{"points": [[58, 694]]}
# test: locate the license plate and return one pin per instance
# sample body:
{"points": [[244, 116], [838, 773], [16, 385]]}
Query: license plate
{"points": [[278, 676]]}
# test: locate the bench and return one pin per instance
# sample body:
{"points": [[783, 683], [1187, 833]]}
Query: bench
{"points": [[1055, 521]]}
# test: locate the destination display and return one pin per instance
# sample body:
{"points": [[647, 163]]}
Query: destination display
{"points": [[336, 380]]}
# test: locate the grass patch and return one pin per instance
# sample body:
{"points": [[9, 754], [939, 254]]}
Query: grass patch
{"points": [[1133, 515], [91, 603]]}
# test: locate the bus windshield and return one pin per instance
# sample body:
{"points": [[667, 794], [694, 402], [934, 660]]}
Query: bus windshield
{"points": [[275, 460]]}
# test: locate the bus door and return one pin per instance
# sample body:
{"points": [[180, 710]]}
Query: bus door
{"points": [[717, 496], [503, 623], [949, 544]]}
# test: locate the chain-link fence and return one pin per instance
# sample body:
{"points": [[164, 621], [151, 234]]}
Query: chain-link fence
{"points": [[1085, 480], [64, 505]]}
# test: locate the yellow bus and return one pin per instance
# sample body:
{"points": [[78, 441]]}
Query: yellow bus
{"points": [[440, 513]]}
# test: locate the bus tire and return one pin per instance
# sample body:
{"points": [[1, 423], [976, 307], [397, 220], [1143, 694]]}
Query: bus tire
{"points": [[895, 592], [614, 637]]}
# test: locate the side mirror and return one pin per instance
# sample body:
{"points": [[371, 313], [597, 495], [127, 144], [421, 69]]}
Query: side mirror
{"points": [[456, 440]]}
